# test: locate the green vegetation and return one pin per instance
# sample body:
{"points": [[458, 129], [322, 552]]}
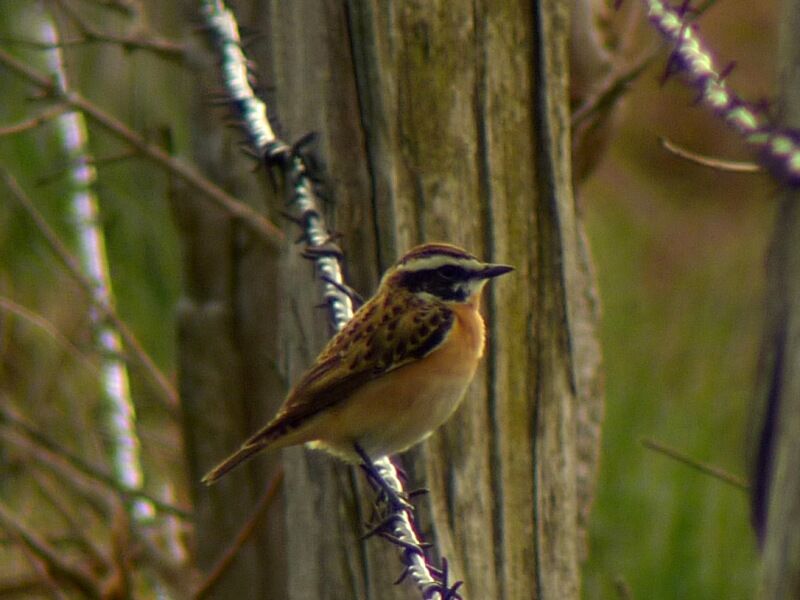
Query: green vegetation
{"points": [[679, 252]]}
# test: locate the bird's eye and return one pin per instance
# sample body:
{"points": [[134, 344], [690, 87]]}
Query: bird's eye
{"points": [[449, 272]]}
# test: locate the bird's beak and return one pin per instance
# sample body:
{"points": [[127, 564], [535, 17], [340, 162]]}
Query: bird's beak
{"points": [[490, 271]]}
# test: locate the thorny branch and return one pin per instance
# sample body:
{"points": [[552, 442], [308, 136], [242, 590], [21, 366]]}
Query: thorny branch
{"points": [[319, 247]]}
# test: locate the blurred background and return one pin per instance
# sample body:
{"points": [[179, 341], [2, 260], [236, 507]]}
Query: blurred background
{"points": [[678, 248], [680, 251]]}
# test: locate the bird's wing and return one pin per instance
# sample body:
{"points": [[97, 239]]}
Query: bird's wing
{"points": [[386, 333]]}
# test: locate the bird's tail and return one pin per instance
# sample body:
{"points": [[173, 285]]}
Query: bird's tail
{"points": [[274, 435], [233, 461]]}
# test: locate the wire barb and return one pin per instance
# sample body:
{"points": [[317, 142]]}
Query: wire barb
{"points": [[356, 298]]}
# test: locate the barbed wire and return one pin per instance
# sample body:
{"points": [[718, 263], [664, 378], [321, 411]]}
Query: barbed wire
{"points": [[778, 148], [397, 523]]}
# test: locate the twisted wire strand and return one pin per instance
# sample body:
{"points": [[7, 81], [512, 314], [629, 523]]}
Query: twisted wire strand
{"points": [[778, 148]]}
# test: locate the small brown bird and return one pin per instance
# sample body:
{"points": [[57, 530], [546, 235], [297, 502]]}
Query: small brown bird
{"points": [[396, 371]]}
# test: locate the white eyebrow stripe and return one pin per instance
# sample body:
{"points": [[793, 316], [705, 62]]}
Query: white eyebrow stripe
{"points": [[434, 262]]}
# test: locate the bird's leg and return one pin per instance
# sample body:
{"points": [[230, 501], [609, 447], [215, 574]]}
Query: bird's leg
{"points": [[395, 500]]}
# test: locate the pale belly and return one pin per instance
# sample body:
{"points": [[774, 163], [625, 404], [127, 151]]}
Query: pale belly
{"points": [[390, 416], [402, 408]]}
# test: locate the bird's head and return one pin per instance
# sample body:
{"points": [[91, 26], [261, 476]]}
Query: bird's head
{"points": [[442, 272]]}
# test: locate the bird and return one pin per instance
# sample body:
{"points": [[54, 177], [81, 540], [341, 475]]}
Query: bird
{"points": [[396, 371]]}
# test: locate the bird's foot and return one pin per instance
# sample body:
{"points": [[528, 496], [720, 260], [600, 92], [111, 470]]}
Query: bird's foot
{"points": [[396, 500]]}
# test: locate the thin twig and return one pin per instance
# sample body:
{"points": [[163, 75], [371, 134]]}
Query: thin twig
{"points": [[142, 40], [62, 44], [223, 30], [613, 86], [33, 122], [227, 558], [622, 588], [778, 147], [23, 586], [39, 567], [129, 8], [707, 161], [12, 418], [79, 531], [616, 83], [715, 472], [95, 495], [51, 330], [62, 170], [75, 574], [702, 8], [167, 391], [257, 223]]}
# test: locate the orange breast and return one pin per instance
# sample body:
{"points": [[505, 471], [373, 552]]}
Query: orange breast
{"points": [[399, 409], [469, 334]]}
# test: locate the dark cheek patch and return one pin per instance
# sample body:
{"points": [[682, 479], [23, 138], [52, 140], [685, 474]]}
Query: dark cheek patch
{"points": [[432, 283]]}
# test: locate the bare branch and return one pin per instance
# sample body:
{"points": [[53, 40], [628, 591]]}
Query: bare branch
{"points": [[128, 8], [141, 39], [62, 170], [78, 531], [778, 147], [22, 586], [257, 223], [47, 327], [707, 161], [40, 567], [33, 122], [13, 418], [715, 472], [96, 496], [244, 534], [613, 87]]}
